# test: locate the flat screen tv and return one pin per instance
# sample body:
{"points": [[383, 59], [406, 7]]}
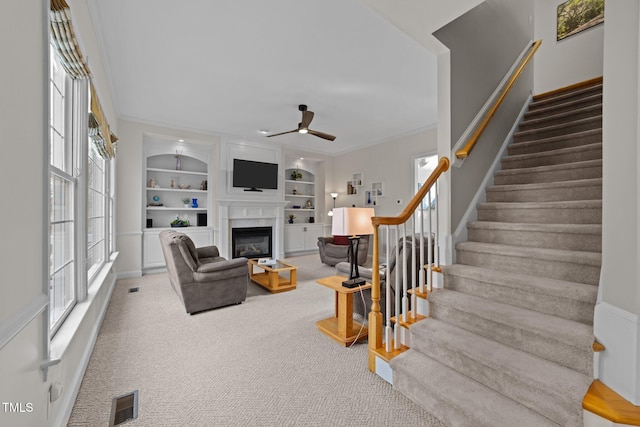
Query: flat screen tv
{"points": [[254, 176]]}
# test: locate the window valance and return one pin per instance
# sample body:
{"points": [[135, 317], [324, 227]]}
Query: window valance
{"points": [[64, 40], [105, 142]]}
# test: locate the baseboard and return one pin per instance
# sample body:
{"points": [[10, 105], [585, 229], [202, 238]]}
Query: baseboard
{"points": [[619, 364], [130, 274]]}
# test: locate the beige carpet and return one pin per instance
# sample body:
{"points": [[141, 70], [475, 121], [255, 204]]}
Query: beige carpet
{"points": [[261, 363]]}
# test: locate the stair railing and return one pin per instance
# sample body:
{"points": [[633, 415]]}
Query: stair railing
{"points": [[421, 281], [463, 153]]}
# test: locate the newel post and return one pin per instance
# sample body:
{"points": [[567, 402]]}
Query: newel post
{"points": [[375, 316]]}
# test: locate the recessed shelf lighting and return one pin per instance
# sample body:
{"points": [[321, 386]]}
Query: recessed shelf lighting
{"points": [[181, 140], [264, 131]]}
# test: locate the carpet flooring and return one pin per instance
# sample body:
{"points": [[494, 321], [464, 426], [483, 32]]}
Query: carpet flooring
{"points": [[260, 363]]}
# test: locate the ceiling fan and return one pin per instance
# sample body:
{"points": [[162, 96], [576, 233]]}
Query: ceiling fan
{"points": [[303, 126]]}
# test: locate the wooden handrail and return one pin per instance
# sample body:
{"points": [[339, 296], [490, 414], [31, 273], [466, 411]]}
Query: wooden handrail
{"points": [[443, 166], [375, 315], [463, 153]]}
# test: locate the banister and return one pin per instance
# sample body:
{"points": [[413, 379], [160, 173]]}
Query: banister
{"points": [[375, 315], [463, 153], [443, 166]]}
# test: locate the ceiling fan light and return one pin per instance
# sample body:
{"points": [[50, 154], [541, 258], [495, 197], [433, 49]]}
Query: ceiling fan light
{"points": [[303, 130]]}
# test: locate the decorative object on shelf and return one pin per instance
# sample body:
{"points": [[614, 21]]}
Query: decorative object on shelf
{"points": [[155, 202], [368, 197], [187, 202], [178, 161], [308, 204], [335, 196], [194, 203], [296, 206], [352, 222], [295, 190], [376, 189], [203, 185], [291, 218], [156, 198], [184, 186], [180, 222], [311, 220], [152, 183], [296, 175], [173, 183]]}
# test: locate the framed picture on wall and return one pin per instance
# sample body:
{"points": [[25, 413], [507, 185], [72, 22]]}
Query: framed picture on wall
{"points": [[575, 16]]}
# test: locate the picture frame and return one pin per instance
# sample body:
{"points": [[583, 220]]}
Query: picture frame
{"points": [[575, 16]]}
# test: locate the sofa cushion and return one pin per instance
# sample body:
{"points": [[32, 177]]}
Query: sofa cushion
{"points": [[340, 240]]}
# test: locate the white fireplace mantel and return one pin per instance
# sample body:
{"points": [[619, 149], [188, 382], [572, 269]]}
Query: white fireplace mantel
{"points": [[251, 213]]}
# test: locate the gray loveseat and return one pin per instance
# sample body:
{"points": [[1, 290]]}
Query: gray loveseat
{"points": [[200, 276]]}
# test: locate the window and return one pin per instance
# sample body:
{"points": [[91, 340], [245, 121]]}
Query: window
{"points": [[424, 166], [96, 213], [62, 285]]}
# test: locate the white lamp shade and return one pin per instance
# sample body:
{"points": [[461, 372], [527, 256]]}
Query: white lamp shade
{"points": [[352, 221]]}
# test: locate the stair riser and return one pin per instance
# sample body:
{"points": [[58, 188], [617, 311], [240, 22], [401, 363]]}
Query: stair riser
{"points": [[537, 239], [542, 215], [548, 160], [535, 113], [551, 194], [577, 311], [450, 402], [557, 409], [545, 347], [526, 177], [560, 118], [554, 269], [562, 130], [557, 143], [566, 97]]}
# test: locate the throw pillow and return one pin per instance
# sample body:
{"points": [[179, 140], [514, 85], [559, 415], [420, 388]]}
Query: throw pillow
{"points": [[340, 240]]}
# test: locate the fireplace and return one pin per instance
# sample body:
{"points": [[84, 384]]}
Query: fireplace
{"points": [[251, 242]]}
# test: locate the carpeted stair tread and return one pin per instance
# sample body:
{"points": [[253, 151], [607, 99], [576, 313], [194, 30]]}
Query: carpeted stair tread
{"points": [[562, 212], [456, 399], [581, 189], [538, 384], [551, 173], [579, 266], [559, 129], [542, 100], [569, 300], [576, 237], [552, 338], [574, 139], [578, 257], [580, 112], [553, 157], [595, 98]]}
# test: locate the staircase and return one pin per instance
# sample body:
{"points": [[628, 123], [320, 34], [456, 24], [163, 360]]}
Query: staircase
{"points": [[509, 338]]}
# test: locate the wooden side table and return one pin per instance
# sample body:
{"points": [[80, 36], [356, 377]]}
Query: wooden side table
{"points": [[270, 278], [342, 327]]}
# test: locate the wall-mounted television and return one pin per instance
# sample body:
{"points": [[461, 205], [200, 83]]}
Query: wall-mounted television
{"points": [[255, 176]]}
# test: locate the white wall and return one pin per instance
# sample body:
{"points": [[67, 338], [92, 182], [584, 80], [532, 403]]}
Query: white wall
{"points": [[617, 319], [570, 60], [390, 163]]}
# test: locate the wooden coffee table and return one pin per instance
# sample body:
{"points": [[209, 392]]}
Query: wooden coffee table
{"points": [[270, 276], [341, 327]]}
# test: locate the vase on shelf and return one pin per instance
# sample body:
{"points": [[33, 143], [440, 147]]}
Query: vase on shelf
{"points": [[194, 203], [178, 162]]}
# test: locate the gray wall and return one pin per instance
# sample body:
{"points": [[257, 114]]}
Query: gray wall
{"points": [[484, 43]]}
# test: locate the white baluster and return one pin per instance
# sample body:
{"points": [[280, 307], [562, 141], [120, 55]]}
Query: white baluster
{"points": [[398, 290], [388, 331], [413, 267], [437, 257], [405, 280], [429, 250], [421, 274]]}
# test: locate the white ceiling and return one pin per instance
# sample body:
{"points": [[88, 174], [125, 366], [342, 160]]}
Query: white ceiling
{"points": [[236, 67]]}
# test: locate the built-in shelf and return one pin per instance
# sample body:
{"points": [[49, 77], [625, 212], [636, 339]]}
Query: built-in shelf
{"points": [[300, 192]]}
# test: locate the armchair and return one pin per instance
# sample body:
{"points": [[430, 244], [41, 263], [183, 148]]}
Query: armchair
{"points": [[366, 272], [332, 253], [201, 278]]}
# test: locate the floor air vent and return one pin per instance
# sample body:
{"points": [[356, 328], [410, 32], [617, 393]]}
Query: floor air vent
{"points": [[124, 408], [133, 290]]}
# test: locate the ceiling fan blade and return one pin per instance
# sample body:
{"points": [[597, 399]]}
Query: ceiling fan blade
{"points": [[282, 133], [322, 134], [307, 116]]}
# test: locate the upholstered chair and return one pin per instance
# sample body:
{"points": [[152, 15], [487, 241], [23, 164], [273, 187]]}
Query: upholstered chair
{"points": [[334, 249], [201, 278]]}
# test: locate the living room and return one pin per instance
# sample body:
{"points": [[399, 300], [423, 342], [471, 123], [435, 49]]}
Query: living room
{"points": [[26, 350]]}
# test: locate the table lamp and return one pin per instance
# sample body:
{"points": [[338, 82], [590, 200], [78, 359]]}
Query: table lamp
{"points": [[352, 222]]}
